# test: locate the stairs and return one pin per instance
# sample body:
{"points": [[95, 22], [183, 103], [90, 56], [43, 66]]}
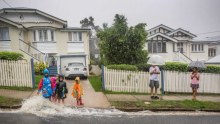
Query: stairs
{"points": [[52, 70]]}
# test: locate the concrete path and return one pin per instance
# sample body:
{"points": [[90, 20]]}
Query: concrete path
{"points": [[90, 98], [15, 93], [121, 97]]}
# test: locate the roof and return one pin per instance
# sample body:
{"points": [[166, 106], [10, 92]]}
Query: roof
{"points": [[161, 26], [11, 22], [183, 31], [215, 60], [31, 10], [162, 35], [75, 28]]}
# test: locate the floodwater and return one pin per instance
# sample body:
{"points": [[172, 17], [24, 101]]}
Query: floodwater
{"points": [[42, 107]]}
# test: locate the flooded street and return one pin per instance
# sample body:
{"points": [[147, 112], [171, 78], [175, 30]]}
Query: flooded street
{"points": [[39, 110]]}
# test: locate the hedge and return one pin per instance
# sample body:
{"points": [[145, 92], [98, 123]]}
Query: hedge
{"points": [[123, 67], [11, 56], [39, 67], [170, 66]]}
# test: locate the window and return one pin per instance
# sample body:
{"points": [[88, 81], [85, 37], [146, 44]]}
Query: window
{"points": [[212, 52], [52, 35], [34, 35], [4, 33], [197, 47], [75, 36], [180, 47], [156, 47], [40, 35], [45, 35]]}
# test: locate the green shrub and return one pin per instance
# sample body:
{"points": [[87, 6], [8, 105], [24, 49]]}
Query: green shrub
{"points": [[175, 66], [212, 69], [39, 67], [11, 56], [143, 67], [123, 67]]}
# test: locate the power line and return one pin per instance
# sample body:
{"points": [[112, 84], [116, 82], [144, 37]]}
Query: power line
{"points": [[7, 3], [208, 32]]}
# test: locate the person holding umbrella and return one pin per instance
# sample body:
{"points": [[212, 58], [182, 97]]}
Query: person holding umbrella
{"points": [[195, 76], [154, 70]]}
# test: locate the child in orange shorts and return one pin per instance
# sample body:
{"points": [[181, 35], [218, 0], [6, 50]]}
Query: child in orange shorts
{"points": [[77, 91]]}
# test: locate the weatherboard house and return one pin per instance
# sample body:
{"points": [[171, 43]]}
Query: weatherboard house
{"points": [[178, 45], [43, 37]]}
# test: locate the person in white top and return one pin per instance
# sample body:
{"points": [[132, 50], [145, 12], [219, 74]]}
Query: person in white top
{"points": [[154, 80]]}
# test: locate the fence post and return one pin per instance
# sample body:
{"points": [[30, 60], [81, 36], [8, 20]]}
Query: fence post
{"points": [[103, 78], [162, 81], [33, 75]]}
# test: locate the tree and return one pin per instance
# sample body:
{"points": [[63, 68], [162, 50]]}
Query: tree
{"points": [[89, 23], [121, 44]]}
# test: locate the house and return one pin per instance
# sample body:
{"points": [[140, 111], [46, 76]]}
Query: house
{"points": [[175, 45], [43, 37], [214, 61]]}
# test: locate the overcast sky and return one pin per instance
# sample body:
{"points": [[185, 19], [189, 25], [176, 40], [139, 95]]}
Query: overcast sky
{"points": [[196, 16]]}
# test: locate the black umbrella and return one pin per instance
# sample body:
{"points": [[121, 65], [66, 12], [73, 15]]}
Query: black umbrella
{"points": [[197, 64]]}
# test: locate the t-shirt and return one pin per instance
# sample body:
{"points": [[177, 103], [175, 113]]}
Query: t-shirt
{"points": [[195, 80], [154, 77]]}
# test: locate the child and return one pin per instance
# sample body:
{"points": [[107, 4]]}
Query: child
{"points": [[77, 91], [53, 83], [61, 89], [195, 82], [45, 86]]}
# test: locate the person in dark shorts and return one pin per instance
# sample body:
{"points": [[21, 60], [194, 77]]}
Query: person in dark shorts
{"points": [[154, 81], [61, 89], [195, 76]]}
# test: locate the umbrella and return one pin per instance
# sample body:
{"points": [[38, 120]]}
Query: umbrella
{"points": [[197, 64], [156, 60]]}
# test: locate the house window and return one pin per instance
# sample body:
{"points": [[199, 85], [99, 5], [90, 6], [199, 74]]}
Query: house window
{"points": [[34, 35], [75, 36], [212, 52], [43, 35], [4, 33], [52, 35], [180, 47], [197, 47], [156, 47]]}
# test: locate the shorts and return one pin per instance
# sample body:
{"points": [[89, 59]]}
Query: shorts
{"points": [[154, 84], [195, 86]]}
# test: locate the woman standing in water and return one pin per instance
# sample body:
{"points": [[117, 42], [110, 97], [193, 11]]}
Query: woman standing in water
{"points": [[195, 77]]}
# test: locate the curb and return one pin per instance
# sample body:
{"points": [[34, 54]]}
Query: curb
{"points": [[165, 109], [10, 107]]}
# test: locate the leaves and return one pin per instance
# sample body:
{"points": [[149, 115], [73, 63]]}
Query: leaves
{"points": [[11, 56]]}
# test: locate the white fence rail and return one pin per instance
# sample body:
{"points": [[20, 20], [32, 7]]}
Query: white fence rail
{"points": [[130, 81], [126, 81], [180, 82], [15, 73]]}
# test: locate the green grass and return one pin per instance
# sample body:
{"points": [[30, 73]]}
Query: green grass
{"points": [[129, 93], [16, 88], [186, 104], [96, 83], [5, 101], [37, 80]]}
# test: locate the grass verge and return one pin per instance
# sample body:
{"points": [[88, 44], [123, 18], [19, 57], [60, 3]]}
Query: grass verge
{"points": [[16, 88], [5, 101], [96, 83], [163, 104]]}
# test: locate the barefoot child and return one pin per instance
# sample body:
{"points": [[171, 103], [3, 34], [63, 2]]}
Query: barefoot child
{"points": [[195, 76], [77, 91], [61, 89], [54, 84]]}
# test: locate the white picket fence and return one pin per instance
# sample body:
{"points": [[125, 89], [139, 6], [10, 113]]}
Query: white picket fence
{"points": [[180, 82], [126, 81], [15, 73], [130, 81]]}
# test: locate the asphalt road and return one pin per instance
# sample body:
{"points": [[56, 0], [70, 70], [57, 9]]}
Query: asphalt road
{"points": [[20, 118]]}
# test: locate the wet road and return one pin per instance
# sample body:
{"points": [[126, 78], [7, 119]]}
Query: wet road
{"points": [[21, 118]]}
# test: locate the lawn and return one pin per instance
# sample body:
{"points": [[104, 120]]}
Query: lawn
{"points": [[96, 83], [5, 101], [186, 104]]}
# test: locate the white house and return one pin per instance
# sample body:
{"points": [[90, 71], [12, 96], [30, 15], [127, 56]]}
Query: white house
{"points": [[175, 45], [43, 37]]}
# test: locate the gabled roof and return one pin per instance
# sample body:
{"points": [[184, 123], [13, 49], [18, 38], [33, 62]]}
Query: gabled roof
{"points": [[162, 35], [11, 22], [183, 31], [161, 26], [30, 10], [215, 60]]}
